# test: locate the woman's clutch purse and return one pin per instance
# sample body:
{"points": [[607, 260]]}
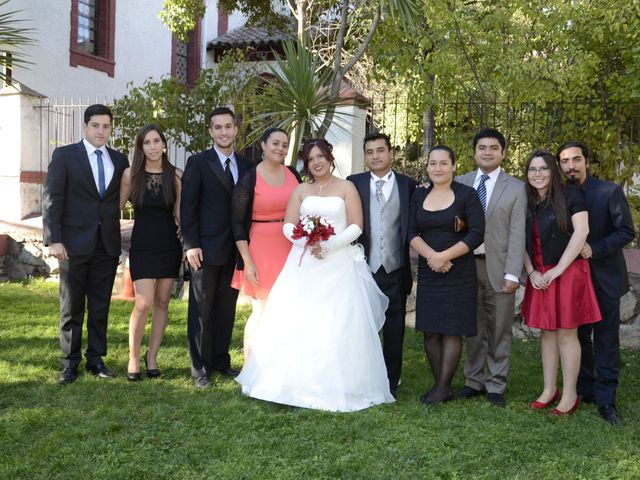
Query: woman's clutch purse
{"points": [[459, 224], [186, 270]]}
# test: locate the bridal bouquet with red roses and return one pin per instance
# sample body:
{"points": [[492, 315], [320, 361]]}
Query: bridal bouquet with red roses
{"points": [[315, 229]]}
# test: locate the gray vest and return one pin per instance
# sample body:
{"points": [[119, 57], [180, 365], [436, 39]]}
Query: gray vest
{"points": [[385, 243]]}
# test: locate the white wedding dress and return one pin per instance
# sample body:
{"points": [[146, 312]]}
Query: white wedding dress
{"points": [[317, 343]]}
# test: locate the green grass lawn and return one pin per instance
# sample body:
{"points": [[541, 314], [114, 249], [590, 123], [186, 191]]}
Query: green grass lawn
{"points": [[97, 429]]}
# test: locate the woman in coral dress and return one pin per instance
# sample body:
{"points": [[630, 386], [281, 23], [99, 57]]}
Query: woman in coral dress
{"points": [[559, 295], [258, 206]]}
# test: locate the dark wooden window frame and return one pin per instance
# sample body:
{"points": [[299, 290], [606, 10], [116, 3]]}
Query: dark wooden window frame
{"points": [[193, 55], [105, 60]]}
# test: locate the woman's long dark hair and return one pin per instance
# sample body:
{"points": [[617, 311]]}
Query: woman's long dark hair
{"points": [[555, 195], [138, 180], [325, 147]]}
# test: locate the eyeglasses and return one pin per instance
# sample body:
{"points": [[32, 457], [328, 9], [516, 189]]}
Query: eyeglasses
{"points": [[534, 170]]}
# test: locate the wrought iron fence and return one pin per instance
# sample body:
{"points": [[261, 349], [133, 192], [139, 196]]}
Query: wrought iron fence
{"points": [[611, 129]]}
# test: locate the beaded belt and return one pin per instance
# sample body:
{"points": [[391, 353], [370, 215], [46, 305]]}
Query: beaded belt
{"points": [[268, 221]]}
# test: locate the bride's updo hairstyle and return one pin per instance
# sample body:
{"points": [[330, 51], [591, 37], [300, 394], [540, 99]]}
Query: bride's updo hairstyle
{"points": [[325, 147]]}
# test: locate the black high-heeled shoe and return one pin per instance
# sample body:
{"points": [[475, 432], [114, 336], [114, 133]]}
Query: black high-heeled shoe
{"points": [[134, 376], [151, 372]]}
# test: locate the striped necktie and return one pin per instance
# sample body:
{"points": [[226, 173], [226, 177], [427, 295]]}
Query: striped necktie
{"points": [[379, 195], [482, 191]]}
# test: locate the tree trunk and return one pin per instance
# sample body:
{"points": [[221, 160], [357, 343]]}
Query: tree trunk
{"points": [[429, 125]]}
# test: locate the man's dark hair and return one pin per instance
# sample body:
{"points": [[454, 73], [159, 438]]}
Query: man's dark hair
{"points": [[573, 144], [97, 109], [221, 111], [490, 133], [376, 136]]}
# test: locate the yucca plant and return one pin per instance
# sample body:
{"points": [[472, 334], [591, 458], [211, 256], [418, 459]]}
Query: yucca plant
{"points": [[298, 96], [14, 35]]}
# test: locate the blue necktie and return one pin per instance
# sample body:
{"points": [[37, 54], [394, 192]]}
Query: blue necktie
{"points": [[482, 191], [101, 183]]}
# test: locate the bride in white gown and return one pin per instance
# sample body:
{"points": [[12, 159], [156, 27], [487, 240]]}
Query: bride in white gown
{"points": [[317, 343]]}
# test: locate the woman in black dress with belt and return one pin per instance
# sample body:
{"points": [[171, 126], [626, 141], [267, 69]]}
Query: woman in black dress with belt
{"points": [[153, 186], [446, 223]]}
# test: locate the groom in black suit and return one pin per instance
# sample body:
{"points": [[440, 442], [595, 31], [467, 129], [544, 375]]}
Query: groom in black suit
{"points": [[610, 229], [205, 214], [385, 196], [81, 227]]}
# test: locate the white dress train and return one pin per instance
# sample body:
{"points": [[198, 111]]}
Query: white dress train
{"points": [[317, 343]]}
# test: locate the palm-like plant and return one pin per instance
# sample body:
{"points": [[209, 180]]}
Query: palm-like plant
{"points": [[13, 36], [298, 97]]}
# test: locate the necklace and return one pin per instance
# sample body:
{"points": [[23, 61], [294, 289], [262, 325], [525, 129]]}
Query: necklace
{"points": [[322, 186]]}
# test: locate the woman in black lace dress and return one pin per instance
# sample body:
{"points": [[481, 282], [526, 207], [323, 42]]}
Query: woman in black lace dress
{"points": [[153, 186]]}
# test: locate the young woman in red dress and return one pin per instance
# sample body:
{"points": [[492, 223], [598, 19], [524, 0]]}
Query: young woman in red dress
{"points": [[559, 295]]}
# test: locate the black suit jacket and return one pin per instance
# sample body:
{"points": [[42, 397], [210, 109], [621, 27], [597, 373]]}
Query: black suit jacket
{"points": [[610, 229], [406, 186], [72, 209], [205, 206]]}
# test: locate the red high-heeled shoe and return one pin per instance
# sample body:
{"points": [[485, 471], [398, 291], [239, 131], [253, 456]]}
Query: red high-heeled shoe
{"points": [[560, 413], [536, 405]]}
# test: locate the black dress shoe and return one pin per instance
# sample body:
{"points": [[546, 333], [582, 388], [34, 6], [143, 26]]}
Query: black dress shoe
{"points": [[134, 376], [201, 382], [151, 372], [100, 371], [468, 392], [497, 399], [610, 414], [68, 375], [228, 372]]}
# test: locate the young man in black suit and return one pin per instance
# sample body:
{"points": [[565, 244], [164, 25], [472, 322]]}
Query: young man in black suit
{"points": [[81, 227], [610, 229], [205, 216], [385, 196]]}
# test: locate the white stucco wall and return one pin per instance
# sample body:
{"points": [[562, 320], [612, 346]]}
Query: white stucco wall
{"points": [[20, 152], [142, 50], [346, 135]]}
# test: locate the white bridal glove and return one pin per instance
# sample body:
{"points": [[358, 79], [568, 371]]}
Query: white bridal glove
{"points": [[342, 239], [287, 229]]}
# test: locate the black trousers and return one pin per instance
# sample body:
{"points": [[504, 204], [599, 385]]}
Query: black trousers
{"points": [[391, 285], [600, 342], [85, 280], [212, 311]]}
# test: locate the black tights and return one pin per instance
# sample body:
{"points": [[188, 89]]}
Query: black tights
{"points": [[443, 352]]}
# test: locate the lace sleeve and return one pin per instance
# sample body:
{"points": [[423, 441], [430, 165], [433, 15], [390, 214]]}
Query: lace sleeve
{"points": [[242, 204]]}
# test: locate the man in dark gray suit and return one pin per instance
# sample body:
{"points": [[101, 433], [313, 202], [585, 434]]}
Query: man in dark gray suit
{"points": [[81, 227], [499, 264], [385, 196]]}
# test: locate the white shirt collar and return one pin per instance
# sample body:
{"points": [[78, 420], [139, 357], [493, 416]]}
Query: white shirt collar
{"points": [[223, 157], [386, 177], [91, 149], [493, 176]]}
